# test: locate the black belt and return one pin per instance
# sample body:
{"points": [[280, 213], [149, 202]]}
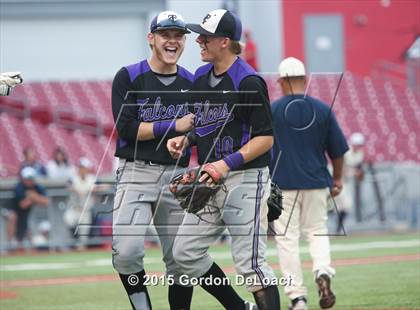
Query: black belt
{"points": [[153, 163], [147, 162]]}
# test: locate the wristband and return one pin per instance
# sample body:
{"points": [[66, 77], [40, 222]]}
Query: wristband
{"points": [[160, 128], [234, 161]]}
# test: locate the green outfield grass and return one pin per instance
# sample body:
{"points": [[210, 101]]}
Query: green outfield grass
{"points": [[362, 286]]}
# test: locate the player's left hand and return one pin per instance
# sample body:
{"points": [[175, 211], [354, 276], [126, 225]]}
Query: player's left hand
{"points": [[221, 168]]}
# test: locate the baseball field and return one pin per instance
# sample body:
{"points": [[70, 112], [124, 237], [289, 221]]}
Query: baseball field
{"points": [[373, 272]]}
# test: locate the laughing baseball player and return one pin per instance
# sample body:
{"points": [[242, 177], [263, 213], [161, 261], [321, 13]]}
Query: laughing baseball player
{"points": [[149, 106], [233, 134]]}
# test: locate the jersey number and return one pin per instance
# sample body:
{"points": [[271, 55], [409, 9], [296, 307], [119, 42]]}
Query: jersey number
{"points": [[223, 146]]}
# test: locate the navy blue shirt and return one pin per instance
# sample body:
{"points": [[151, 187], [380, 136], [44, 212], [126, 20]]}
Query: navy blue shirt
{"points": [[20, 194], [304, 130]]}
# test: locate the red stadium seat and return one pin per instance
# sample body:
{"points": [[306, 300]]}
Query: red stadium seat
{"points": [[64, 114]]}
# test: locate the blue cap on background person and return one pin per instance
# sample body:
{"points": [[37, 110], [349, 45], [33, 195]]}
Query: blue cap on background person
{"points": [[168, 20], [219, 23]]}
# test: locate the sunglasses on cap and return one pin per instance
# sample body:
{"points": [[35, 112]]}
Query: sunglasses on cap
{"points": [[170, 21]]}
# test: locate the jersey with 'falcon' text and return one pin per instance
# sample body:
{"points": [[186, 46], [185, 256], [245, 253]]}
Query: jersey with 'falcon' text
{"points": [[138, 95], [231, 113]]}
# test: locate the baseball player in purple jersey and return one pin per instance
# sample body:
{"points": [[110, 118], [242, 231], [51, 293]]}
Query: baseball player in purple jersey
{"points": [[149, 107], [232, 131]]}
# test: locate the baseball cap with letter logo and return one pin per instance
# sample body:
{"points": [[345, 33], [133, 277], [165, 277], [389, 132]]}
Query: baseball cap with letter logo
{"points": [[168, 20], [219, 23]]}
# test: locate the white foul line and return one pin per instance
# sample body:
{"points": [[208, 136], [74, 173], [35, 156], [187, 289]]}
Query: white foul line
{"points": [[343, 247]]}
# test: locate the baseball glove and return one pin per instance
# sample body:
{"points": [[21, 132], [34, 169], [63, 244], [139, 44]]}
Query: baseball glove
{"points": [[8, 80], [191, 194], [275, 203]]}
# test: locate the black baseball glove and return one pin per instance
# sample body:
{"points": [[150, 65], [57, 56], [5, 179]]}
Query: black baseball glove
{"points": [[275, 203], [191, 194]]}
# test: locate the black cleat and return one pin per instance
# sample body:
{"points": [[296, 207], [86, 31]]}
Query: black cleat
{"points": [[299, 303], [326, 295]]}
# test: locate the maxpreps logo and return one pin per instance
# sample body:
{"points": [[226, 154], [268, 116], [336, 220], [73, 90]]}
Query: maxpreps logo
{"points": [[209, 119], [155, 112]]}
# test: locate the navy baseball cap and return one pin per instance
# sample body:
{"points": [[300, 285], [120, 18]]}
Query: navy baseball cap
{"points": [[168, 20], [219, 23]]}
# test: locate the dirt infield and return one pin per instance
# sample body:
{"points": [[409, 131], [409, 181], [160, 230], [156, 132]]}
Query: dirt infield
{"points": [[8, 295], [229, 270]]}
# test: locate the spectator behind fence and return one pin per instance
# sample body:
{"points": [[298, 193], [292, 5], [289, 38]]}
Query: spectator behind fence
{"points": [[59, 167], [78, 215], [27, 195], [250, 51], [353, 176], [30, 160]]}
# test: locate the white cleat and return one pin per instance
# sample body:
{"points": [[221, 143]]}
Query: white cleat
{"points": [[250, 306]]}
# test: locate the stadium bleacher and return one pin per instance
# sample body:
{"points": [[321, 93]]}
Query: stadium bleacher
{"points": [[386, 113], [77, 116]]}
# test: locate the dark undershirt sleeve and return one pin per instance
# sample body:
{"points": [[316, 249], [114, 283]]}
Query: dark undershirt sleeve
{"points": [[124, 110], [255, 106]]}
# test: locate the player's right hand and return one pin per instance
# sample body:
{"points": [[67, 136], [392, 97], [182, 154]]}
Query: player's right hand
{"points": [[176, 146], [337, 188], [185, 123]]}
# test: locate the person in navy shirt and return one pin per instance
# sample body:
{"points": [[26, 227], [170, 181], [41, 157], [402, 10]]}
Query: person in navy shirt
{"points": [[305, 130], [28, 194]]}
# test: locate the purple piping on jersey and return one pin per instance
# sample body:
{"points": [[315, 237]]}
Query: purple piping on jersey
{"points": [[205, 130], [238, 28], [202, 70], [121, 142], [185, 74], [240, 70], [245, 134], [135, 70], [255, 240]]}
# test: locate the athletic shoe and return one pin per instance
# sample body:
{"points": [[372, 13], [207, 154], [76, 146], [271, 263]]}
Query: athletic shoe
{"points": [[298, 303], [326, 296], [250, 306]]}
